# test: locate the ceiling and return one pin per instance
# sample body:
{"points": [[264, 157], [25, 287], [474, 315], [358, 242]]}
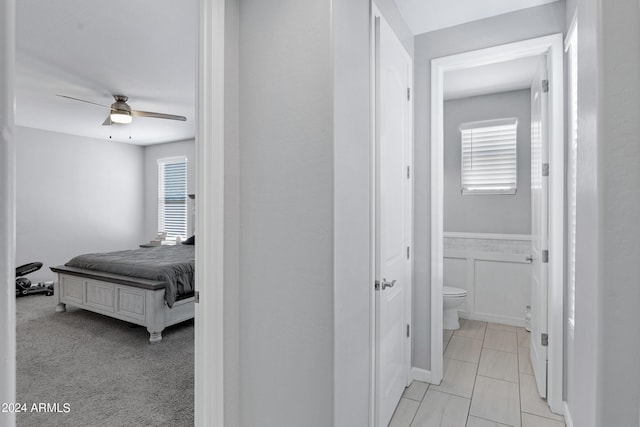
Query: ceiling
{"points": [[428, 15], [144, 49], [492, 78]]}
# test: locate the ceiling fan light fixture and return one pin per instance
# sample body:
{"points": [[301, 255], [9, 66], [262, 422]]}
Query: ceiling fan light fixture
{"points": [[120, 116]]}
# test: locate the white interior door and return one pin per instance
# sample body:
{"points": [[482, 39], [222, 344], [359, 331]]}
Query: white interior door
{"points": [[539, 225], [393, 220]]}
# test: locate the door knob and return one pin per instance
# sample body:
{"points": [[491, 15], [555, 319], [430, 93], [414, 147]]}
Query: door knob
{"points": [[529, 258], [386, 284]]}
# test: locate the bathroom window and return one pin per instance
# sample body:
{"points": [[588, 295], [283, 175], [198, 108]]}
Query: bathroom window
{"points": [[489, 156]]}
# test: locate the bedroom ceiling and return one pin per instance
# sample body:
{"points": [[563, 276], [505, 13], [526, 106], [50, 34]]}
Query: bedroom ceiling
{"points": [[428, 15], [144, 49]]}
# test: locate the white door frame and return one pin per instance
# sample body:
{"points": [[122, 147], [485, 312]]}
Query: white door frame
{"points": [[209, 330], [553, 46], [209, 313], [7, 211], [374, 43]]}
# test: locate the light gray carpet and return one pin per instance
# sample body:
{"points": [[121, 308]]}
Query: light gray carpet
{"points": [[104, 368]]}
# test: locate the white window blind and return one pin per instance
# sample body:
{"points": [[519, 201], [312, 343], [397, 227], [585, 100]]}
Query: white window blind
{"points": [[172, 197], [572, 176], [489, 157]]}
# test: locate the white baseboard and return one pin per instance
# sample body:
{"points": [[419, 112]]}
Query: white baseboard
{"points": [[567, 415], [512, 321], [420, 374]]}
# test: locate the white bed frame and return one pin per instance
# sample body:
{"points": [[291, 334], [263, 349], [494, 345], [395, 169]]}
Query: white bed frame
{"points": [[131, 299]]}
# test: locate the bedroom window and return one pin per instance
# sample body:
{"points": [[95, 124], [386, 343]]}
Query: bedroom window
{"points": [[489, 157], [172, 197]]}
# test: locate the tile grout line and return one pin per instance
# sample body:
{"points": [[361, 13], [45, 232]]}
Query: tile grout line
{"points": [[545, 417], [498, 379], [475, 379], [519, 385], [423, 397], [491, 421]]}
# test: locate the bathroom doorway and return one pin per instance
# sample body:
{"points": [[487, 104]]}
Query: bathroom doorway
{"points": [[479, 298]]}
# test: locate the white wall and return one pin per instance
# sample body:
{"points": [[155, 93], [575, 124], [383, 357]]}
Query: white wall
{"points": [[151, 155], [231, 218], [495, 272], [286, 214], [75, 195], [620, 148], [507, 28], [491, 213], [607, 336], [352, 176]]}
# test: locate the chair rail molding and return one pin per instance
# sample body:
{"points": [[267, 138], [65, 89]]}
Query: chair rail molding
{"points": [[488, 236]]}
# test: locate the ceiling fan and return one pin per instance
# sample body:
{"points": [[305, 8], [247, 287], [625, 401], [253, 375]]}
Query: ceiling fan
{"points": [[121, 113]]}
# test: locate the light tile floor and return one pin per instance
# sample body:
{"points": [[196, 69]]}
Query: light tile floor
{"points": [[488, 382]]}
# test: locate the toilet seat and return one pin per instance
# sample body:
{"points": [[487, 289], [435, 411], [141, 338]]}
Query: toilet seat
{"points": [[450, 291]]}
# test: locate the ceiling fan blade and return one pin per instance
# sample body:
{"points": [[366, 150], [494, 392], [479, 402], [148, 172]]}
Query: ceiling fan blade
{"points": [[107, 121], [82, 100], [157, 115]]}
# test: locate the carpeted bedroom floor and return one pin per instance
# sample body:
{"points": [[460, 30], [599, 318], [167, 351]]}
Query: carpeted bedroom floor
{"points": [[105, 369]]}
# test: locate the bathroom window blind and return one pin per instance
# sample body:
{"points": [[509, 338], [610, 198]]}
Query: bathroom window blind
{"points": [[571, 44], [172, 197], [489, 157]]}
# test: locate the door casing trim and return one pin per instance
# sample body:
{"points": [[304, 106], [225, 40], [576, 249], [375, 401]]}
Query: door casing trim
{"points": [[209, 405]]}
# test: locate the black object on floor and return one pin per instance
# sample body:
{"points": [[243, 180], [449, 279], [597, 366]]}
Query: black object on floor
{"points": [[25, 287]]}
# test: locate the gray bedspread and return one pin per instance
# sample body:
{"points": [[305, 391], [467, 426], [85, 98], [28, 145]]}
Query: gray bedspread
{"points": [[174, 265]]}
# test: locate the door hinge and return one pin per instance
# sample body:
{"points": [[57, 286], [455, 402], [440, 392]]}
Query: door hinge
{"points": [[197, 296], [545, 169], [408, 94], [408, 252], [408, 172], [545, 86], [544, 341], [408, 330], [545, 256]]}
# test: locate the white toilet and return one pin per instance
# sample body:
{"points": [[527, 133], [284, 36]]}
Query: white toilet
{"points": [[453, 299]]}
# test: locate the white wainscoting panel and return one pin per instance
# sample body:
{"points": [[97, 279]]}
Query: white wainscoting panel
{"points": [[494, 270]]}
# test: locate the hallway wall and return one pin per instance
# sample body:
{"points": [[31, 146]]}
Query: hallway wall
{"points": [[606, 391], [286, 213]]}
